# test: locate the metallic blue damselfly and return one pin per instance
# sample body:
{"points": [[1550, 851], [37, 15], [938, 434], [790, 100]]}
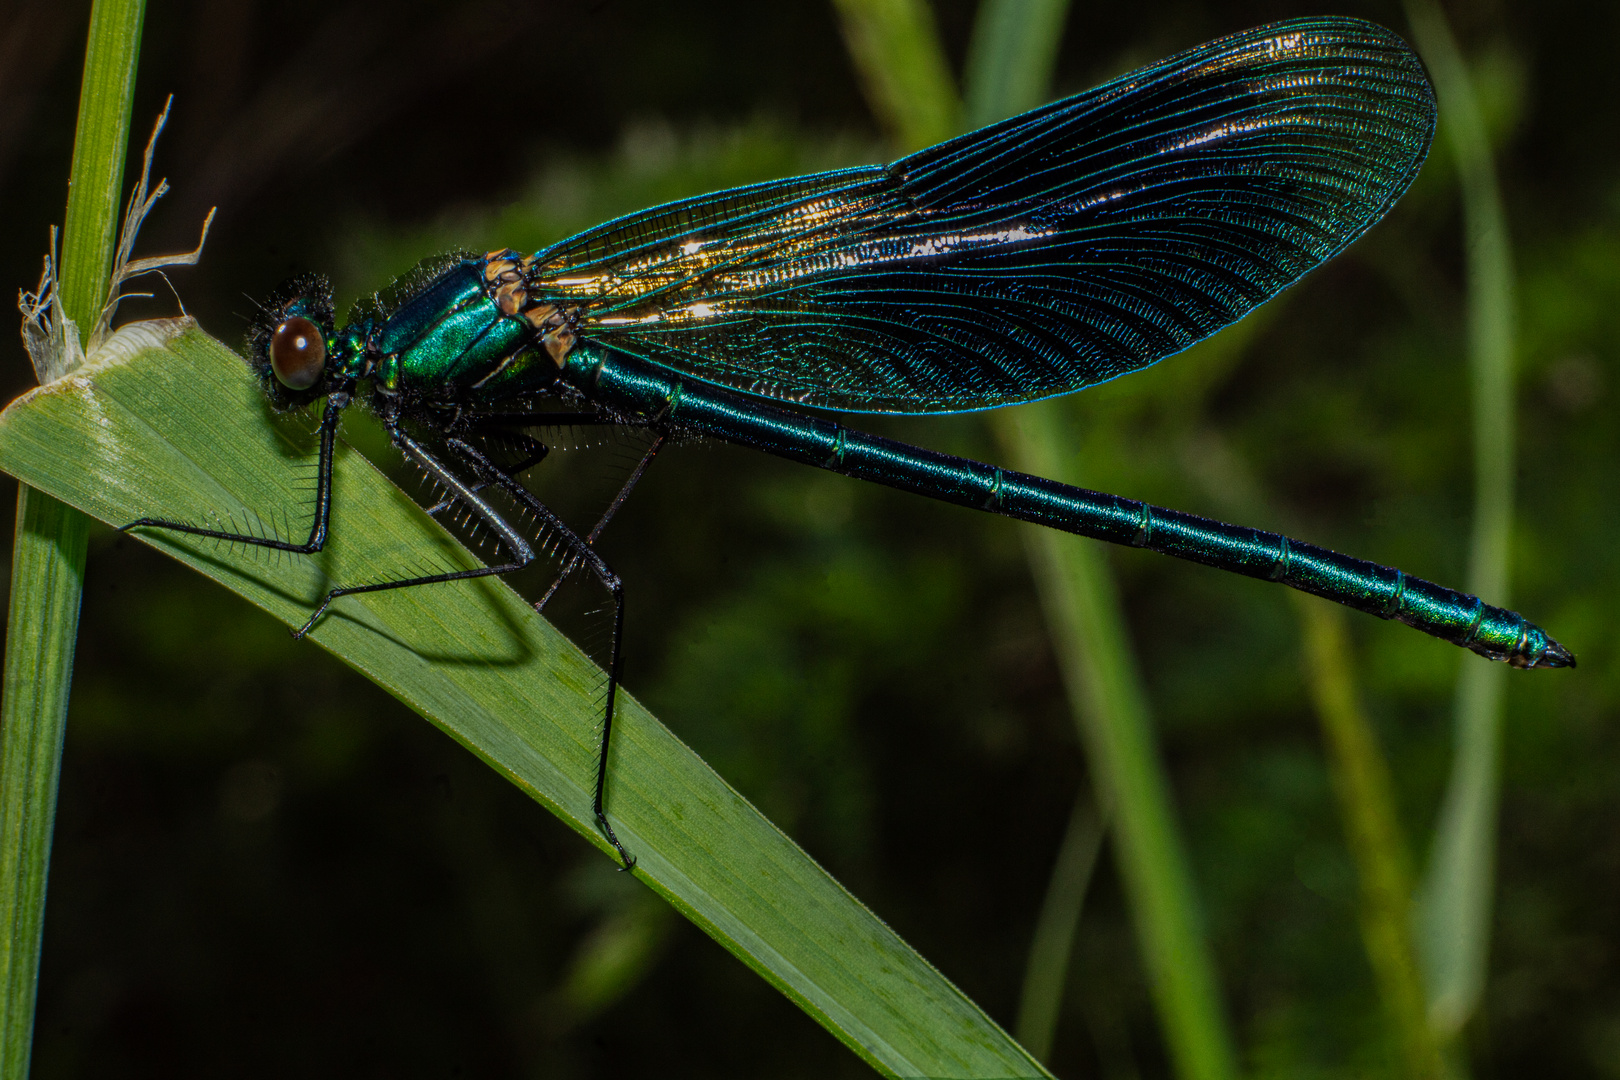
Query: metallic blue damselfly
{"points": [[1038, 256]]}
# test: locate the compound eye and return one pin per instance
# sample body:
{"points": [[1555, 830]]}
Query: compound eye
{"points": [[297, 353]]}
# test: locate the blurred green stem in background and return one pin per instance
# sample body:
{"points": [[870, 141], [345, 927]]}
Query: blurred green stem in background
{"points": [[1046, 973], [47, 567], [1366, 797], [1093, 648], [1454, 900], [1360, 772], [1010, 67], [1011, 58], [903, 70]]}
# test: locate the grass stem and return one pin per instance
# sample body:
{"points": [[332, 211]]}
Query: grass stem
{"points": [[47, 562], [1011, 61], [1088, 629], [1366, 796], [1455, 898], [1047, 971]]}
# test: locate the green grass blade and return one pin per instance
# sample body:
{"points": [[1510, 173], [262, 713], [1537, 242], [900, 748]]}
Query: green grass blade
{"points": [[1010, 62], [47, 561], [100, 143], [1047, 971], [1454, 901], [895, 46], [1009, 69], [1366, 795], [1011, 57], [182, 431], [42, 625], [1082, 609], [1010, 66]]}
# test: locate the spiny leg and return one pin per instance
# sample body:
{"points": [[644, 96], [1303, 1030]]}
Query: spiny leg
{"points": [[507, 424], [483, 421], [522, 554], [335, 404], [506, 421], [534, 448], [607, 515], [584, 553]]}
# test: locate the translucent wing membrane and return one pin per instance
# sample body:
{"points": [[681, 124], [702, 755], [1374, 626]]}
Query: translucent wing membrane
{"points": [[1050, 252]]}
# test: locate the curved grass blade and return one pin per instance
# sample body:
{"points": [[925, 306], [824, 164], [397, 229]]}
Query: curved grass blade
{"points": [[165, 420], [1456, 894], [1046, 972], [1011, 57], [1109, 701], [907, 80], [1360, 774]]}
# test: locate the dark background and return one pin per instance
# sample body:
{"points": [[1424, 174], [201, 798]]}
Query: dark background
{"points": [[266, 866]]}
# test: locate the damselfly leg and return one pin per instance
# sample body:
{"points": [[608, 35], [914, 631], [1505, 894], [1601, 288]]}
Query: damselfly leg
{"points": [[509, 425], [519, 552], [607, 515], [534, 452], [335, 405], [579, 553]]}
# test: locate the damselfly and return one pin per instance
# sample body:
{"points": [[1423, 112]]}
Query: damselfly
{"points": [[1047, 253]]}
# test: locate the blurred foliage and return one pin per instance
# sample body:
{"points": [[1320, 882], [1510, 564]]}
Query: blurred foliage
{"points": [[266, 865]]}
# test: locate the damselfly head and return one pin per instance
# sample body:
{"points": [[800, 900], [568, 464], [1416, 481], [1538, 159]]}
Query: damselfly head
{"points": [[292, 343]]}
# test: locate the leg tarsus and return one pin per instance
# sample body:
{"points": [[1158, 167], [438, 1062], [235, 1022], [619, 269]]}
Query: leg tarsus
{"points": [[315, 616], [627, 861]]}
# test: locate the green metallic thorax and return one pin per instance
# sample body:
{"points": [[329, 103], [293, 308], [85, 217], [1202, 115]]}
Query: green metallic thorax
{"points": [[451, 342]]}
